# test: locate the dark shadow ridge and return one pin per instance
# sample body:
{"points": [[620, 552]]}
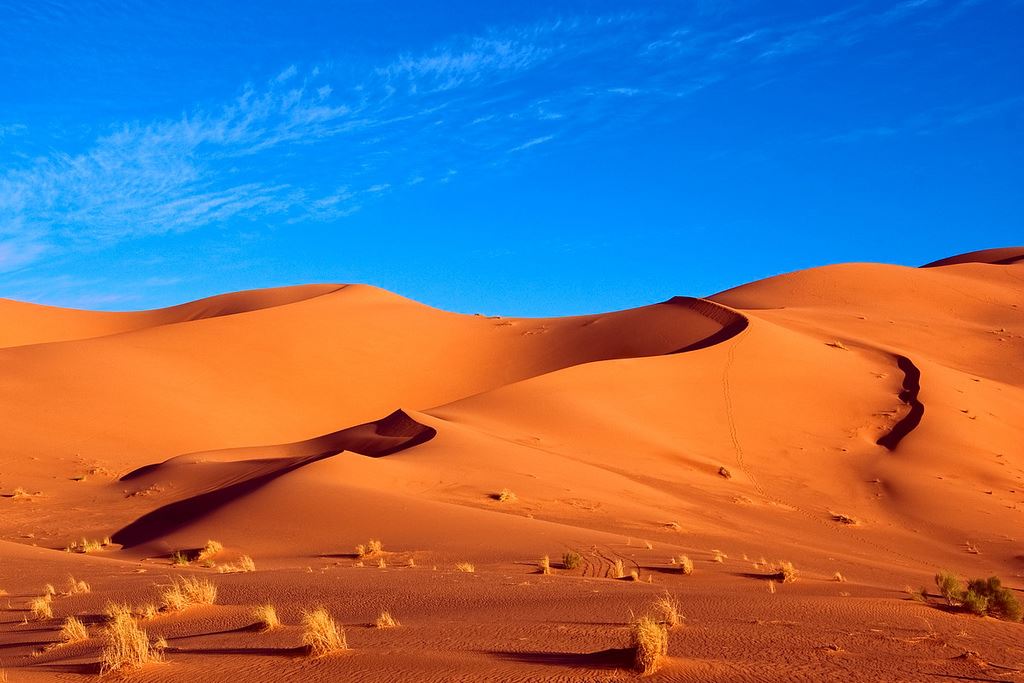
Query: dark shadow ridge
{"points": [[612, 658], [909, 396], [732, 322], [392, 434]]}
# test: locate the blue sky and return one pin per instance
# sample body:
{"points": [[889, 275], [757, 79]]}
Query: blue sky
{"points": [[516, 158]]}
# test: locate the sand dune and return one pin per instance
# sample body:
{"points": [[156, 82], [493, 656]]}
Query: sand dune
{"points": [[857, 418]]}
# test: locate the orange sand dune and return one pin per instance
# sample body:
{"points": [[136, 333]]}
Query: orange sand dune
{"points": [[859, 418]]}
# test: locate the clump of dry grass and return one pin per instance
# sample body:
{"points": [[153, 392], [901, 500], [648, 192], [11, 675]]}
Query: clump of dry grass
{"points": [[784, 572], [209, 551], [838, 576], [180, 559], [321, 634], [649, 641], [73, 631], [506, 496], [243, 565], [372, 547], [544, 565], [149, 611], [41, 607], [266, 617], [466, 567], [84, 545], [48, 589], [128, 647], [674, 526], [385, 620], [837, 345], [618, 570], [117, 610], [187, 591], [685, 565], [571, 559], [382, 563], [718, 556], [634, 575], [667, 610], [76, 587]]}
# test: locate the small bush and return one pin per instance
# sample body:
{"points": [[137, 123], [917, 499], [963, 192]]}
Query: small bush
{"points": [[385, 620], [950, 588], [667, 610], [572, 559], [649, 641], [784, 572], [618, 570], [382, 563], [321, 634], [41, 607], [685, 565], [179, 559], [73, 631], [187, 591], [992, 598], [266, 617], [209, 551], [507, 496], [128, 647]]}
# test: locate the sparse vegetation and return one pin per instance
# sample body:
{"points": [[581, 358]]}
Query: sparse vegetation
{"points": [[667, 609], [544, 565], [73, 631], [266, 617], [372, 547], [649, 641], [784, 572], [839, 577], [724, 473], [321, 634], [571, 559], [506, 496], [984, 597], [187, 591], [76, 587], [385, 620], [117, 610], [618, 570], [718, 556], [209, 551], [685, 565], [382, 563], [128, 646], [41, 607], [837, 345], [465, 567], [634, 575], [84, 545], [48, 589], [243, 565]]}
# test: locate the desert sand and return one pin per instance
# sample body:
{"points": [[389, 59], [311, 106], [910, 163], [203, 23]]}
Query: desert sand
{"points": [[863, 422]]}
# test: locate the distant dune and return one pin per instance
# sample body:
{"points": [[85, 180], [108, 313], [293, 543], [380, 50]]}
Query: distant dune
{"points": [[864, 419]]}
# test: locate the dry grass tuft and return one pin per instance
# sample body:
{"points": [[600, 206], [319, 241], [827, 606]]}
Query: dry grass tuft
{"points": [[244, 565], [209, 551], [506, 496], [76, 587], [618, 570], [372, 547], [117, 610], [385, 620], [180, 559], [41, 607], [84, 545], [266, 617], [73, 631], [784, 572], [685, 565], [321, 634], [572, 559], [149, 611], [48, 589], [844, 518], [718, 556], [838, 576], [382, 563], [544, 565], [466, 567], [724, 473], [187, 591], [649, 641], [128, 647], [634, 575], [667, 610]]}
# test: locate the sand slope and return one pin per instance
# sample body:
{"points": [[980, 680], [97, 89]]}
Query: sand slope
{"points": [[292, 424]]}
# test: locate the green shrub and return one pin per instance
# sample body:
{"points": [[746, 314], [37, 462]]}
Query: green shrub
{"points": [[949, 587]]}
